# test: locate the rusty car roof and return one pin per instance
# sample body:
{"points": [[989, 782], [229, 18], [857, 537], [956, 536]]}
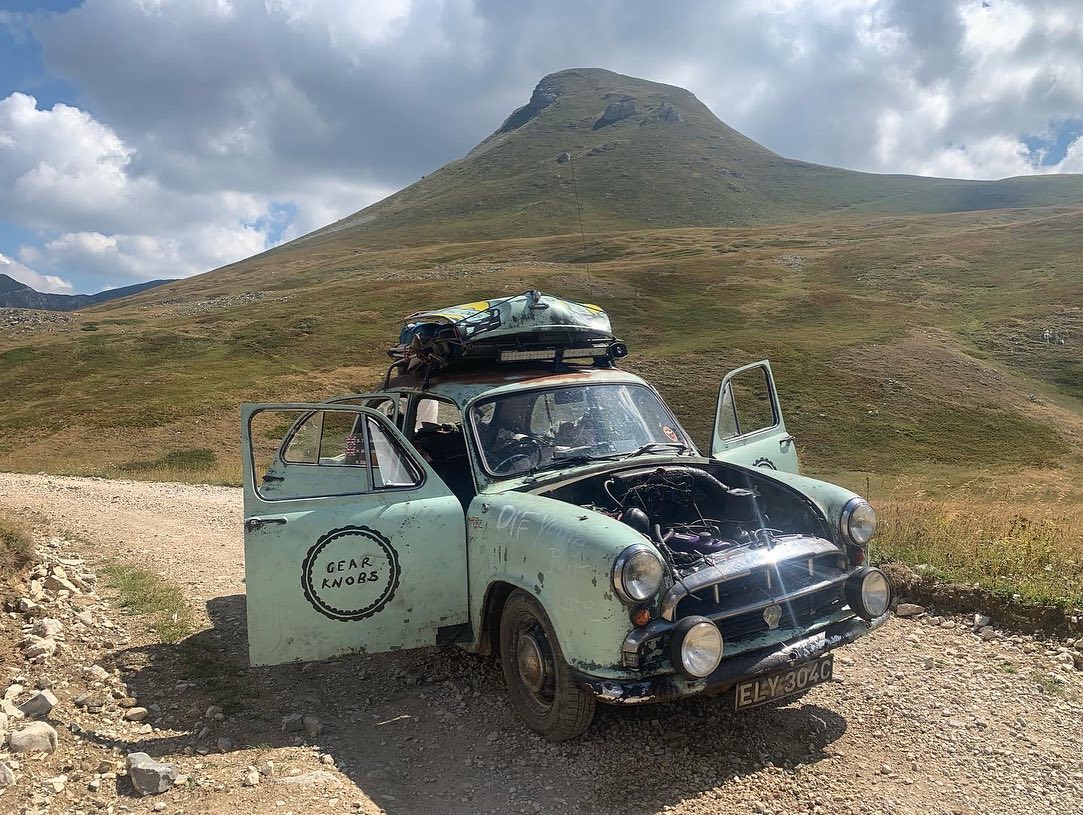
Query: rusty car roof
{"points": [[462, 385]]}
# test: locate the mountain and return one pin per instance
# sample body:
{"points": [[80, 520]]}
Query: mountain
{"points": [[640, 154], [14, 294]]}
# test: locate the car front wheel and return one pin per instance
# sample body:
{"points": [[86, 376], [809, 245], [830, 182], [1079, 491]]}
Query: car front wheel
{"points": [[539, 682]]}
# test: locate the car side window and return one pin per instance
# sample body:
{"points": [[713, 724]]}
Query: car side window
{"points": [[297, 451], [391, 467], [747, 405]]}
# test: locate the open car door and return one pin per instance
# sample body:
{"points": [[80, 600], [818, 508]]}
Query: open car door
{"points": [[351, 541], [748, 425]]}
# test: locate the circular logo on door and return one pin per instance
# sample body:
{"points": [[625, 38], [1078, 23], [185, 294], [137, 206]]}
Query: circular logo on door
{"points": [[350, 573]]}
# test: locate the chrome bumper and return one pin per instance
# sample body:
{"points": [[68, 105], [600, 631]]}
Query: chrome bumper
{"points": [[731, 670]]}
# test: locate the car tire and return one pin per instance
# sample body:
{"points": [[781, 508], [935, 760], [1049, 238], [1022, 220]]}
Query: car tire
{"points": [[537, 677]]}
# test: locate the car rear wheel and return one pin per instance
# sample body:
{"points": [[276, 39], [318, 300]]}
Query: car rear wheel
{"points": [[539, 682]]}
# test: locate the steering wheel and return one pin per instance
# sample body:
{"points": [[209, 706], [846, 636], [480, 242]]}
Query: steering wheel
{"points": [[527, 448]]}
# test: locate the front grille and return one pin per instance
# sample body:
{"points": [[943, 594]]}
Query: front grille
{"points": [[797, 614], [765, 585]]}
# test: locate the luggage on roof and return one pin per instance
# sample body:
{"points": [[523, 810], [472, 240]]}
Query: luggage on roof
{"points": [[525, 327]]}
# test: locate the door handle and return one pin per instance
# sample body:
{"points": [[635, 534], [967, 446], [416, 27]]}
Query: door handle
{"points": [[252, 524], [267, 479], [786, 440]]}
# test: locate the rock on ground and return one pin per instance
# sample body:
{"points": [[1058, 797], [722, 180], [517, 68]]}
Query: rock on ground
{"points": [[36, 737], [149, 777]]}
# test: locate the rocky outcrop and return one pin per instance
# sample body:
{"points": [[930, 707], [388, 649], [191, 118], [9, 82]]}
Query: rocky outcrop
{"points": [[667, 113], [544, 95], [616, 111]]}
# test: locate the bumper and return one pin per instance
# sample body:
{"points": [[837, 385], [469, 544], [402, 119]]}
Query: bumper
{"points": [[731, 671]]}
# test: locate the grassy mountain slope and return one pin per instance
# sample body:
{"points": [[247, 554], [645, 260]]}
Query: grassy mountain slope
{"points": [[904, 346], [669, 162]]}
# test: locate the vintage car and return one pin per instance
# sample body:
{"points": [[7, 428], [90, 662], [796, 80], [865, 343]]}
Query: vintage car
{"points": [[523, 497]]}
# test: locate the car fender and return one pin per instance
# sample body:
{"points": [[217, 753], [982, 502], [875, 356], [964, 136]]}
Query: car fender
{"points": [[563, 555]]}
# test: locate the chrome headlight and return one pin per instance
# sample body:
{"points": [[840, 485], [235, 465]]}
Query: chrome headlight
{"points": [[868, 593], [695, 647], [637, 574], [858, 521]]}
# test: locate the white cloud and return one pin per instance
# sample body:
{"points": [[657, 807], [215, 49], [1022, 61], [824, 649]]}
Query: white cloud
{"points": [[41, 282], [202, 121]]}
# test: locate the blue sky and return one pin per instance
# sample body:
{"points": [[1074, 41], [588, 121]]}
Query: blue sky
{"points": [[142, 139]]}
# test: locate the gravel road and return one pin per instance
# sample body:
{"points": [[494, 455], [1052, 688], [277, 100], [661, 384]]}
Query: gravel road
{"points": [[924, 716]]}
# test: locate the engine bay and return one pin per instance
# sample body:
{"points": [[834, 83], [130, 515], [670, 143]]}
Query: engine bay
{"points": [[690, 513]]}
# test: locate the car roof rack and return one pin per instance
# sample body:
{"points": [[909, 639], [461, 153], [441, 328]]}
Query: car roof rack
{"points": [[528, 327]]}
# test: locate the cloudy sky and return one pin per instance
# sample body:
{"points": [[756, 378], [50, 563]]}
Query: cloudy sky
{"points": [[162, 138]]}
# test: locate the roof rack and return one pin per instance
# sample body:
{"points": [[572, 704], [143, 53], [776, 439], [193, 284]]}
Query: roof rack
{"points": [[528, 327]]}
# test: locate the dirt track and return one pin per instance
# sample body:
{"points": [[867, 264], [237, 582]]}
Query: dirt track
{"points": [[922, 718]]}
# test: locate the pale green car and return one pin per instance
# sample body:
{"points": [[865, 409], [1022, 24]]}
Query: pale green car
{"points": [[560, 517]]}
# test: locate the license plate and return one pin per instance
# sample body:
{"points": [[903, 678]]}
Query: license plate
{"points": [[763, 689]]}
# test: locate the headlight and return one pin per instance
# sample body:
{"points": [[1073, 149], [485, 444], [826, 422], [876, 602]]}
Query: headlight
{"points": [[858, 522], [868, 593], [695, 647], [637, 574]]}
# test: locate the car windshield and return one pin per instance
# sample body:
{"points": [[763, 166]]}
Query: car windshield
{"points": [[527, 431]]}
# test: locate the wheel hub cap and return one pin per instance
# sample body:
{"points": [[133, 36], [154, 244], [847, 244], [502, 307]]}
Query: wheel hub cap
{"points": [[531, 662]]}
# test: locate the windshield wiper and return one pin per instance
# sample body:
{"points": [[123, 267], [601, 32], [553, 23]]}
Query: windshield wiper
{"points": [[651, 447]]}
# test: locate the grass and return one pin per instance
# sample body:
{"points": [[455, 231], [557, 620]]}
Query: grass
{"points": [[1006, 543], [144, 594], [195, 461], [16, 545]]}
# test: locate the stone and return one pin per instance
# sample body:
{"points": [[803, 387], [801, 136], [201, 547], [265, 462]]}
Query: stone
{"points": [[980, 621], [563, 157], [224, 744], [214, 713], [7, 777], [292, 723], [56, 784], [988, 633], [149, 777], [12, 691], [25, 605], [251, 777], [312, 725], [327, 760], [36, 737], [135, 714], [310, 779], [9, 710], [59, 584], [85, 617], [3, 726], [909, 610], [48, 627], [39, 704], [90, 700], [97, 672], [39, 647]]}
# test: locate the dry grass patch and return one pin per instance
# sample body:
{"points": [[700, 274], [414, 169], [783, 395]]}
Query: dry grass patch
{"points": [[1030, 548], [16, 546]]}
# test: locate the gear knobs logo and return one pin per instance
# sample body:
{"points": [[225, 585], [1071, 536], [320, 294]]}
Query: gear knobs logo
{"points": [[350, 573]]}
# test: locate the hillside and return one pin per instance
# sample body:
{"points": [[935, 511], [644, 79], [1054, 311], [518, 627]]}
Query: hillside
{"points": [[645, 155], [14, 294], [922, 350]]}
